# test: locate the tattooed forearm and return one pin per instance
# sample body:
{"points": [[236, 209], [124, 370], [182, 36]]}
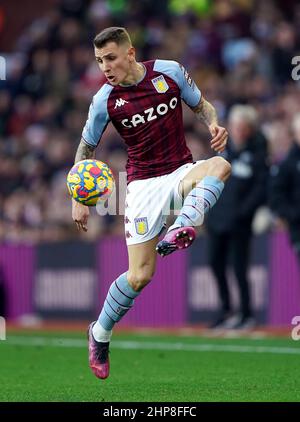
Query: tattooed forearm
{"points": [[84, 152], [206, 112]]}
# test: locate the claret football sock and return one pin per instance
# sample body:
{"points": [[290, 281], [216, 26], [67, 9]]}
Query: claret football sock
{"points": [[119, 299], [198, 202]]}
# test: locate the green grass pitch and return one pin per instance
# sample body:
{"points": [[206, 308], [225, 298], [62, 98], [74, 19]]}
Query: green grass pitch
{"points": [[43, 366]]}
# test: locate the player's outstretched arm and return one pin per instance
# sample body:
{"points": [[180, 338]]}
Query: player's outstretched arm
{"points": [[206, 112], [80, 212]]}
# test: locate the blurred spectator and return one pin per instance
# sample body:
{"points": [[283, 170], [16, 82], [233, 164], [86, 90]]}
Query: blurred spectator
{"points": [[229, 222], [285, 188], [2, 19], [5, 104], [283, 52]]}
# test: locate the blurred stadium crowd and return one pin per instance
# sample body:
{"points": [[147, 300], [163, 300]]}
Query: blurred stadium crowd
{"points": [[238, 51]]}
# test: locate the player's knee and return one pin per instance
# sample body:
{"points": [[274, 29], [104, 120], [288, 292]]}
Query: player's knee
{"points": [[140, 278], [219, 167]]}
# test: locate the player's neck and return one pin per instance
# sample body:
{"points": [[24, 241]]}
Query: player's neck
{"points": [[136, 75]]}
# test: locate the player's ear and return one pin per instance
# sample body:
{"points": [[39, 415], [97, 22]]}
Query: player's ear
{"points": [[131, 54]]}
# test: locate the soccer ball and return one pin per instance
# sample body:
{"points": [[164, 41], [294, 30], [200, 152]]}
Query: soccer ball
{"points": [[90, 180]]}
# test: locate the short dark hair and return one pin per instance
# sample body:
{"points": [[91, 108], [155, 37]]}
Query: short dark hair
{"points": [[113, 34]]}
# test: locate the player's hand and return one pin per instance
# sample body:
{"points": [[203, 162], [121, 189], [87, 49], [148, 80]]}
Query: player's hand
{"points": [[219, 137], [80, 214]]}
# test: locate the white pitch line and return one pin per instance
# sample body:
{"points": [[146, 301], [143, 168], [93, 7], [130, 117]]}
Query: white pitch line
{"points": [[147, 345]]}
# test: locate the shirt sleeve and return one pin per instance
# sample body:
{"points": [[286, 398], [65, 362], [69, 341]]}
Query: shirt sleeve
{"points": [[190, 93], [98, 117]]}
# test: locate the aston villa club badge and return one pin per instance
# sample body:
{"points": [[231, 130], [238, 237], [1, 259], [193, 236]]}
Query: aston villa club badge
{"points": [[141, 225], [160, 84]]}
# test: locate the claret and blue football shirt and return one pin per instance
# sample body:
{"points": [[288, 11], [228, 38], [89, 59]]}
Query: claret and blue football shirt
{"points": [[148, 116]]}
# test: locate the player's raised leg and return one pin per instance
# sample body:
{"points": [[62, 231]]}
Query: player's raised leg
{"points": [[120, 298], [201, 188]]}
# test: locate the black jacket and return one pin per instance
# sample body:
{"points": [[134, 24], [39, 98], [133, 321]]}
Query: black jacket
{"points": [[245, 190], [284, 192]]}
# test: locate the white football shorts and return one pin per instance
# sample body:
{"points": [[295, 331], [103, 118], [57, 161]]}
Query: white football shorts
{"points": [[149, 201]]}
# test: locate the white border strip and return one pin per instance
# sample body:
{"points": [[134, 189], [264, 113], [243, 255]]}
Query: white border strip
{"points": [[148, 345]]}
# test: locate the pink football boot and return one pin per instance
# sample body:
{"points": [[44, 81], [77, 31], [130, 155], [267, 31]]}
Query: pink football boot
{"points": [[179, 238], [98, 355]]}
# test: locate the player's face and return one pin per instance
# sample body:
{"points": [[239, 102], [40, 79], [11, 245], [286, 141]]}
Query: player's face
{"points": [[115, 61]]}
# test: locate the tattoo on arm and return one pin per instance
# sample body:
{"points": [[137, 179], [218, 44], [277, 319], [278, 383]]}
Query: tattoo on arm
{"points": [[84, 152], [206, 112]]}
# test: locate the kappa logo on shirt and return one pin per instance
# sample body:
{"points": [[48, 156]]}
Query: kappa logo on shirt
{"points": [[120, 102]]}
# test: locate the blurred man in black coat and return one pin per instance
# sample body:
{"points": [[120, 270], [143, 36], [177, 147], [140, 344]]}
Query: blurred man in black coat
{"points": [[229, 223], [285, 188]]}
